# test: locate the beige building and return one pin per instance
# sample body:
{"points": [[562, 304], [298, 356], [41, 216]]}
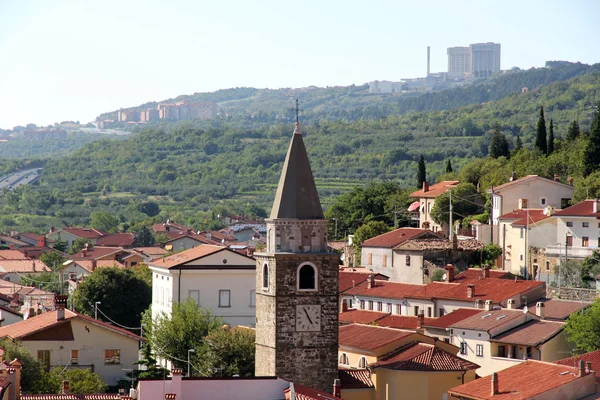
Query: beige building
{"points": [[427, 197], [485, 59], [459, 61]]}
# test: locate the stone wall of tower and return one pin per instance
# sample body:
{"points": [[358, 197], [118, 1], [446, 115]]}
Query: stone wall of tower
{"points": [[296, 236]]}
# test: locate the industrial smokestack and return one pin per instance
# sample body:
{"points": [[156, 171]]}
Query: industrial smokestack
{"points": [[428, 61]]}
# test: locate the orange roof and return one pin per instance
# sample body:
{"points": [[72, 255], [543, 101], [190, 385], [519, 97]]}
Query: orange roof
{"points": [[95, 253], [417, 356], [521, 216], [117, 240], [435, 190], [396, 237], [360, 316], [452, 317], [151, 251], [352, 378], [89, 233], [349, 279], [486, 320], [522, 381], [402, 321], [471, 275], [593, 357], [381, 319], [531, 333], [47, 320], [305, 393], [368, 337], [187, 255], [583, 209], [557, 309], [26, 266], [12, 255], [88, 264]]}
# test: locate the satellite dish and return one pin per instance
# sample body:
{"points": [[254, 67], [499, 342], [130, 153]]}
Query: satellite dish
{"points": [[444, 277]]}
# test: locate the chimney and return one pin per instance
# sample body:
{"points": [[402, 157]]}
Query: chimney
{"points": [[581, 368], [494, 384], [344, 306], [488, 305], [94, 265], [594, 206], [371, 281], [588, 367], [41, 242], [84, 252], [510, 304], [208, 236], [478, 303], [425, 187], [33, 263], [65, 387], [486, 271], [11, 246], [421, 319], [337, 388], [513, 177], [556, 178], [428, 60], [449, 273], [14, 377], [539, 310], [60, 303], [470, 291], [51, 229]]}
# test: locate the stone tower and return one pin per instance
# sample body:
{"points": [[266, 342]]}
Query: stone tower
{"points": [[297, 282]]}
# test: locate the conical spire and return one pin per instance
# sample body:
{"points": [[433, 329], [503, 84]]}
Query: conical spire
{"points": [[297, 196]]}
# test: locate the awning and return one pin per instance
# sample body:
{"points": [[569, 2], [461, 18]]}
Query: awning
{"points": [[414, 206]]}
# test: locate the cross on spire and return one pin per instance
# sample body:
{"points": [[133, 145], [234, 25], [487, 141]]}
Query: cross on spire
{"points": [[297, 112]]}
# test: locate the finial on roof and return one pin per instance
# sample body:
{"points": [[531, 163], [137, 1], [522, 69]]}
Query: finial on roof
{"points": [[297, 130]]}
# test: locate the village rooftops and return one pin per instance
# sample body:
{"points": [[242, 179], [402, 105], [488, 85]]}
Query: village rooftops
{"points": [[23, 266], [355, 378], [417, 356], [591, 357], [398, 237], [350, 277], [451, 318], [487, 320], [558, 309], [12, 255], [587, 208], [96, 252], [520, 217], [433, 191], [531, 333], [471, 275], [522, 381], [382, 319], [178, 260], [88, 233], [117, 240], [368, 337]]}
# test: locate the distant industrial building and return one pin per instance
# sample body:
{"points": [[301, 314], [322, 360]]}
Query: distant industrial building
{"points": [[479, 60]]}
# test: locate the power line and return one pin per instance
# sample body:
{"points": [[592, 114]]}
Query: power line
{"points": [[116, 323]]}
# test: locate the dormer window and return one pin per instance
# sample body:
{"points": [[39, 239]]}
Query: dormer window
{"points": [[307, 277]]}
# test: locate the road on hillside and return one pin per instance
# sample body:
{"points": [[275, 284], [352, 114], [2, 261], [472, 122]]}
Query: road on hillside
{"points": [[16, 179]]}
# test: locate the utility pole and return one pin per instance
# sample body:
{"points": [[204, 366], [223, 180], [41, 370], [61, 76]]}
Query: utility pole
{"points": [[492, 221], [503, 246], [527, 244], [395, 218], [450, 208]]}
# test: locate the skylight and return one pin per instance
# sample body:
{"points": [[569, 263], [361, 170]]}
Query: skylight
{"points": [[486, 315], [500, 317]]}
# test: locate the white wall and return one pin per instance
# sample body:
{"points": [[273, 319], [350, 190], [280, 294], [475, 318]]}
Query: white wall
{"points": [[402, 272], [375, 260], [577, 231]]}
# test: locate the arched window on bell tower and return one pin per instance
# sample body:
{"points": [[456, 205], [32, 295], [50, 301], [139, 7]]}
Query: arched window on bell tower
{"points": [[265, 277], [307, 277]]}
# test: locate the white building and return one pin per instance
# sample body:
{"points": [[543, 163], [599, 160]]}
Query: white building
{"points": [[217, 278], [427, 197], [577, 231]]}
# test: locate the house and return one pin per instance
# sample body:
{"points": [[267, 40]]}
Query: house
{"points": [[577, 231], [123, 240], [10, 242], [499, 338], [215, 277], [142, 255], [13, 270], [591, 360], [532, 380], [100, 253], [426, 197], [32, 238], [77, 269], [71, 340], [22, 299], [531, 191], [558, 309], [70, 235]]}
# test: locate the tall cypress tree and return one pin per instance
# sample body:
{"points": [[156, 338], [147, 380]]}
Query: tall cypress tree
{"points": [[421, 172], [573, 132], [448, 166], [591, 153], [540, 137], [551, 138], [499, 144], [518, 143]]}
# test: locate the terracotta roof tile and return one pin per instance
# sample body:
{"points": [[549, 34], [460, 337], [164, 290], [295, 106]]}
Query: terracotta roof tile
{"points": [[187, 256], [471, 275], [557, 309], [367, 337], [23, 266], [583, 209], [360, 316], [417, 356], [95, 253], [99, 396], [531, 333], [486, 320], [88, 264], [520, 216], [151, 251], [593, 357], [355, 378], [117, 240], [33, 236], [396, 237], [452, 318], [348, 280], [435, 190], [402, 321], [89, 233], [12, 255], [306, 393], [522, 381]]}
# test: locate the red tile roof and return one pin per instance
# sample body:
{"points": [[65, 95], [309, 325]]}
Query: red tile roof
{"points": [[32, 236], [451, 318], [471, 275], [435, 190], [396, 237], [117, 240], [559, 310], [170, 226], [355, 378], [583, 209], [360, 316], [23, 266], [95, 253], [89, 264], [486, 320], [531, 333], [593, 357], [12, 255], [417, 356], [368, 337], [99, 396], [348, 280], [186, 256], [151, 251], [402, 321], [305, 393], [89, 233], [520, 216], [522, 381]]}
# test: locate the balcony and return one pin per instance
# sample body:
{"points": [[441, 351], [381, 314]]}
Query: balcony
{"points": [[572, 252]]}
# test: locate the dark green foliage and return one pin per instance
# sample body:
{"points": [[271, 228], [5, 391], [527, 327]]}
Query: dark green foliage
{"points": [[79, 244], [53, 259], [114, 287], [489, 254], [448, 167], [573, 132], [421, 172], [228, 352], [81, 381], [144, 237], [49, 281], [104, 221], [31, 372], [540, 136], [465, 201], [591, 154], [60, 245], [583, 329], [499, 144], [150, 208], [518, 143], [551, 138]]}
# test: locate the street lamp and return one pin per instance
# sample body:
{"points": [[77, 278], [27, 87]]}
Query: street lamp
{"points": [[335, 235], [190, 351], [96, 309]]}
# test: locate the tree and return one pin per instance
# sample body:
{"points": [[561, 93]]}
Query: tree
{"points": [[228, 352], [591, 154], [518, 144], [172, 337], [53, 259], [489, 254], [150, 208], [367, 231], [79, 244], [421, 172], [104, 221], [81, 381], [573, 131], [49, 281], [499, 144], [59, 245], [570, 273], [144, 237], [31, 371], [551, 137], [583, 329], [449, 167], [114, 287], [466, 201], [540, 137]]}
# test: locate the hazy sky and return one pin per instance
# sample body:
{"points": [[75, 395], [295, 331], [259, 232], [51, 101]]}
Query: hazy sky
{"points": [[71, 60]]}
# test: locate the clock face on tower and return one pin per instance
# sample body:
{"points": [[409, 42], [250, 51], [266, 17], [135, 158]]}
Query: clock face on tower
{"points": [[308, 318]]}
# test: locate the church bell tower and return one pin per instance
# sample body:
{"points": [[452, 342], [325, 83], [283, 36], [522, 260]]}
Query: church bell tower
{"points": [[297, 282]]}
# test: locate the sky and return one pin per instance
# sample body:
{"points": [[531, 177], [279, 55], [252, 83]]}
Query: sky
{"points": [[66, 60]]}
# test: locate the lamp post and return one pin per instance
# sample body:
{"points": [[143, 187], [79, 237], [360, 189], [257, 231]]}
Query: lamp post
{"points": [[96, 309], [189, 351], [335, 234]]}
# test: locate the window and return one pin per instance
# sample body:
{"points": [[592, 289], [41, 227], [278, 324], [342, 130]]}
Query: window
{"points": [[112, 356], [195, 295], [463, 348], [389, 308], [362, 363], [543, 201], [447, 340], [379, 306], [569, 241], [370, 259], [371, 305], [585, 241], [569, 224], [265, 277], [521, 257], [547, 265], [362, 304], [429, 309], [44, 358], [398, 309], [442, 312], [74, 356], [344, 359], [585, 224], [225, 298], [521, 234], [384, 261], [501, 351], [307, 277], [528, 351], [479, 350], [416, 310], [252, 298], [408, 261], [350, 303]]}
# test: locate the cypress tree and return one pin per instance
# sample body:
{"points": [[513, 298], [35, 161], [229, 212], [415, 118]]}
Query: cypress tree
{"points": [[591, 153], [499, 144], [518, 143], [421, 172], [448, 167], [573, 131], [551, 138], [540, 137]]}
